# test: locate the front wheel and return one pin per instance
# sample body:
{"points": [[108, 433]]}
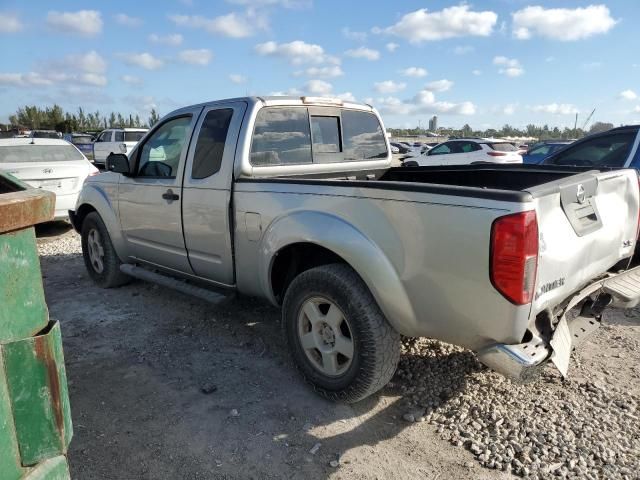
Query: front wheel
{"points": [[338, 337], [100, 257]]}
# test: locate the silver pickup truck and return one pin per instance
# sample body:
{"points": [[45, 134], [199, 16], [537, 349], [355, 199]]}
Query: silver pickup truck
{"points": [[294, 200]]}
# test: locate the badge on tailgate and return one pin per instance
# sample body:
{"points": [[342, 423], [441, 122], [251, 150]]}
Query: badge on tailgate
{"points": [[578, 203]]}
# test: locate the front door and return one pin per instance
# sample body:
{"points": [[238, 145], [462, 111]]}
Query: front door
{"points": [[150, 200]]}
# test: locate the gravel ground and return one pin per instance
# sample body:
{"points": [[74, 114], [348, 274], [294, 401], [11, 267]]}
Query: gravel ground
{"points": [[166, 386]]}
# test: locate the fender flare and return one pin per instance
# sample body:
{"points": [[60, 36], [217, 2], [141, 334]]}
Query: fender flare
{"points": [[93, 195], [346, 241]]}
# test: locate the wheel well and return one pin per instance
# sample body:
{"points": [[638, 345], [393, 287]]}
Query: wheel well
{"points": [[81, 213], [294, 259]]}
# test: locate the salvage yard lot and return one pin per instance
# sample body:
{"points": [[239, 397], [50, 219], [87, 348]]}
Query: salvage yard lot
{"points": [[166, 386]]}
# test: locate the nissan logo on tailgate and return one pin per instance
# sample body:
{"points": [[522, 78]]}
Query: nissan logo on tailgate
{"points": [[47, 170], [580, 194]]}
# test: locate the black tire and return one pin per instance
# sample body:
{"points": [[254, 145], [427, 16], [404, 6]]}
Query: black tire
{"points": [[110, 276], [376, 345]]}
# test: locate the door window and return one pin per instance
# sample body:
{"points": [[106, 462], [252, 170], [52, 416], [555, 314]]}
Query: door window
{"points": [[104, 137], [211, 140], [160, 154], [606, 151], [441, 149], [119, 136], [466, 147]]}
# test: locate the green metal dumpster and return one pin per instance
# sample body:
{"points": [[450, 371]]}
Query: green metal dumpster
{"points": [[35, 417]]}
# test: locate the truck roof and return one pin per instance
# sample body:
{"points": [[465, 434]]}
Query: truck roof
{"points": [[12, 142], [278, 100]]}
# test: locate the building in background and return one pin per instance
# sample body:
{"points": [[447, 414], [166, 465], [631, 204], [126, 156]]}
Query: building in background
{"points": [[433, 124]]}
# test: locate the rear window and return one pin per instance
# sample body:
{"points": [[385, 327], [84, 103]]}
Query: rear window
{"points": [[281, 137], [363, 137], [133, 136], [503, 147], [39, 153]]}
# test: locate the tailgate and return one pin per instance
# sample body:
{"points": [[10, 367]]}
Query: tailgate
{"points": [[587, 223]]}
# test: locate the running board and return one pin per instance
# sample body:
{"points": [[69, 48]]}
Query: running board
{"points": [[175, 284]]}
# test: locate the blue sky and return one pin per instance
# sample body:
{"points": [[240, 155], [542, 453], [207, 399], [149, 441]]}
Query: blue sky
{"points": [[485, 63]]}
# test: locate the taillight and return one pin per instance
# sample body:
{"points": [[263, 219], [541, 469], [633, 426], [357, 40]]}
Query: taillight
{"points": [[496, 154], [514, 256]]}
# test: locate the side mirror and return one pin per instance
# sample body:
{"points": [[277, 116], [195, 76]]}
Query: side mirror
{"points": [[118, 163]]}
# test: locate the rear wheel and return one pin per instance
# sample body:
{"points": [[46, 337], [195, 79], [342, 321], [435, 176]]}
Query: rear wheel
{"points": [[338, 337], [100, 257]]}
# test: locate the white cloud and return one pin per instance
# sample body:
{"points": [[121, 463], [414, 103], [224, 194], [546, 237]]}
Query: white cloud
{"points": [[628, 95], [296, 52], [318, 87], [199, 57], [550, 59], [273, 3], [508, 66], [439, 85], [75, 69], [172, 40], [131, 80], [351, 35], [291, 92], [509, 109], [636, 109], [463, 49], [232, 25], [327, 71], [476, 72], [127, 21], [562, 23], [556, 109], [346, 96], [83, 22], [144, 60], [591, 66], [415, 72], [363, 52], [424, 102], [237, 78], [389, 86], [10, 23], [457, 21], [391, 47]]}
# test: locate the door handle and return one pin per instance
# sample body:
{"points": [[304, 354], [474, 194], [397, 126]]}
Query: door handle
{"points": [[169, 195]]}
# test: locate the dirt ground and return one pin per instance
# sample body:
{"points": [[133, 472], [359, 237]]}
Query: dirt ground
{"points": [[164, 386]]}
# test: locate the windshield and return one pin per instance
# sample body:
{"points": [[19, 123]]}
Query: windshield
{"points": [[81, 140], [133, 136], [503, 147], [39, 153]]}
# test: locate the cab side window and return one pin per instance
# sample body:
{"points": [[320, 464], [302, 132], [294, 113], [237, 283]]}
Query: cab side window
{"points": [[160, 154], [119, 136]]}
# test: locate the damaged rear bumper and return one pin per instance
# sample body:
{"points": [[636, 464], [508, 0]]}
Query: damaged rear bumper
{"points": [[521, 361]]}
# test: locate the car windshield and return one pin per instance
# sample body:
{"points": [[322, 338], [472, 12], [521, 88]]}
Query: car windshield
{"points": [[81, 139], [39, 153], [607, 151], [133, 136], [503, 147]]}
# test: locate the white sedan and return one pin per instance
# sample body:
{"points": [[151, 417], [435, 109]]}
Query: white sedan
{"points": [[50, 164]]}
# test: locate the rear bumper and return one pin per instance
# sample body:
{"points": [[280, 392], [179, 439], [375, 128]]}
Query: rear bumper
{"points": [[520, 362]]}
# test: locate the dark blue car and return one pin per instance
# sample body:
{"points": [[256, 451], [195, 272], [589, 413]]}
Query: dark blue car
{"points": [[83, 142], [617, 148], [538, 152]]}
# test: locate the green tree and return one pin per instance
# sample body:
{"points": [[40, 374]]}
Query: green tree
{"points": [[154, 116]]}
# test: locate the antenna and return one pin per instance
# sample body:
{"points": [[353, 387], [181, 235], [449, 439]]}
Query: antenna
{"points": [[588, 118]]}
